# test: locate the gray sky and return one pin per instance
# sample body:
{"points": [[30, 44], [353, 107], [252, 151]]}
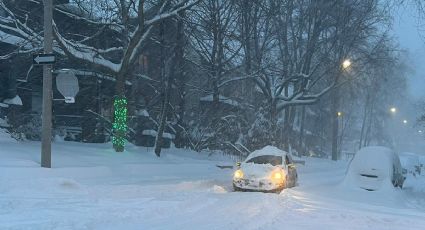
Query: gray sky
{"points": [[406, 30]]}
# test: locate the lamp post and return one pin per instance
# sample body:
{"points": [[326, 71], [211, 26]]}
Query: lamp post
{"points": [[345, 65]]}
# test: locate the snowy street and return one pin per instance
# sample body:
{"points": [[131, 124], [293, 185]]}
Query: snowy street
{"points": [[212, 115], [91, 187]]}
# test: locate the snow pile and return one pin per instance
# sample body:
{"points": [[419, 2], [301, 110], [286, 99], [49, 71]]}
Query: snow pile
{"points": [[3, 123], [13, 101], [4, 136], [410, 162]]}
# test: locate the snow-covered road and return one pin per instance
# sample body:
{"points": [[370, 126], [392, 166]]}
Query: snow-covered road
{"points": [[91, 187]]}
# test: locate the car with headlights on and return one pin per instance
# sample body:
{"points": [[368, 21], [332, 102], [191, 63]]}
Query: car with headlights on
{"points": [[268, 170]]}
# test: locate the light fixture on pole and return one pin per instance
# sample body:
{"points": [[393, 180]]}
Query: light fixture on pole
{"points": [[346, 63]]}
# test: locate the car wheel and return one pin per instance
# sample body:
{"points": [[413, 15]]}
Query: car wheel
{"points": [[236, 189]]}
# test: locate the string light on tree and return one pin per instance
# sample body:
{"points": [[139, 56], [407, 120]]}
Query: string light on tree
{"points": [[119, 126]]}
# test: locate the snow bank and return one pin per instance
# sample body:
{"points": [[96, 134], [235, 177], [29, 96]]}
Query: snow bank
{"points": [[409, 161], [4, 136], [92, 187]]}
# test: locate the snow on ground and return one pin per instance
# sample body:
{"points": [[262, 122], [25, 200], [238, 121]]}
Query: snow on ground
{"points": [[92, 187]]}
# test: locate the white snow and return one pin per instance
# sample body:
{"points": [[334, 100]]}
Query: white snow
{"points": [[13, 101], [374, 160], [154, 133], [223, 99], [268, 150], [149, 132], [142, 112], [92, 187], [3, 124]]}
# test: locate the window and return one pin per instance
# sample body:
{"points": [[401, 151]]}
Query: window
{"points": [[266, 159]]}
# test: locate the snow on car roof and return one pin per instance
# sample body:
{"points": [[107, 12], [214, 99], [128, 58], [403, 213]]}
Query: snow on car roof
{"points": [[268, 150], [374, 156]]}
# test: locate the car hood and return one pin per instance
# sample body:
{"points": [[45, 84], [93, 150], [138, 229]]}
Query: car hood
{"points": [[252, 170]]}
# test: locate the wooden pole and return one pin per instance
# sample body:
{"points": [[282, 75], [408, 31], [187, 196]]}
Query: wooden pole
{"points": [[46, 145]]}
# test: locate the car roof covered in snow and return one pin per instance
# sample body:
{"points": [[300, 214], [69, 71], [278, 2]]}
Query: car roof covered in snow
{"points": [[268, 150], [377, 157]]}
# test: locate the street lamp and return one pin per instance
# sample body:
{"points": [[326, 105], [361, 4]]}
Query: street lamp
{"points": [[405, 121], [420, 131], [339, 114], [393, 110], [346, 63]]}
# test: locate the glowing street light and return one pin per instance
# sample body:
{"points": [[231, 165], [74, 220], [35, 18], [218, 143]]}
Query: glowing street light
{"points": [[339, 114], [420, 131], [405, 121], [393, 110], [346, 63]]}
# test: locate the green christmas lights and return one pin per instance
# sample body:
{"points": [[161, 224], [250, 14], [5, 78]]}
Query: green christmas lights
{"points": [[119, 126]]}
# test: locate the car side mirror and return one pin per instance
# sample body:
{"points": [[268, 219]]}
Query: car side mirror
{"points": [[238, 164]]}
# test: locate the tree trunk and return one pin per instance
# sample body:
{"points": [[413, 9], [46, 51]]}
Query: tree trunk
{"points": [[165, 77], [301, 138], [364, 122], [164, 111], [181, 80]]}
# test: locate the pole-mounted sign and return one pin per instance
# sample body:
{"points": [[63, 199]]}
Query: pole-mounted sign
{"points": [[43, 59], [67, 84]]}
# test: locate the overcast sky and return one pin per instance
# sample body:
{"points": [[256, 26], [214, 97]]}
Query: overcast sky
{"points": [[405, 28]]}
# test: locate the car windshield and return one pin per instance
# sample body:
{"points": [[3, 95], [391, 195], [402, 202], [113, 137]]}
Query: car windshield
{"points": [[266, 159]]}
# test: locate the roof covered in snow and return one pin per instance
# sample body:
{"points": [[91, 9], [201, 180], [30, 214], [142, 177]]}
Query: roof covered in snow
{"points": [[268, 150], [13, 101], [222, 99]]}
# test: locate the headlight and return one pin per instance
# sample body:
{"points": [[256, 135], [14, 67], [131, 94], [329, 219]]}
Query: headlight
{"points": [[278, 176], [238, 174]]}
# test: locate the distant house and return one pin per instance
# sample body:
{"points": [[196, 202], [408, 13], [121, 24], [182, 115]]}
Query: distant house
{"points": [[89, 118]]}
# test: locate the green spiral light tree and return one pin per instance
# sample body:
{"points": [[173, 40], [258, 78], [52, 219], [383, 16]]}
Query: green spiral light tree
{"points": [[119, 127]]}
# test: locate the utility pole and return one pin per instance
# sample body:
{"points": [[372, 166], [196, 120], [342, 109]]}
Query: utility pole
{"points": [[46, 138]]}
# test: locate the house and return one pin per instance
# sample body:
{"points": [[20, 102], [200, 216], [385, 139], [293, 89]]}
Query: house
{"points": [[89, 118]]}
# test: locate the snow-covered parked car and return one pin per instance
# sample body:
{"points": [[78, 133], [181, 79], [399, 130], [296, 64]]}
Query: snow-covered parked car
{"points": [[268, 169], [411, 163], [375, 168]]}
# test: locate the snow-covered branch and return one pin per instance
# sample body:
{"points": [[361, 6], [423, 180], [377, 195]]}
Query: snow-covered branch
{"points": [[85, 53]]}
